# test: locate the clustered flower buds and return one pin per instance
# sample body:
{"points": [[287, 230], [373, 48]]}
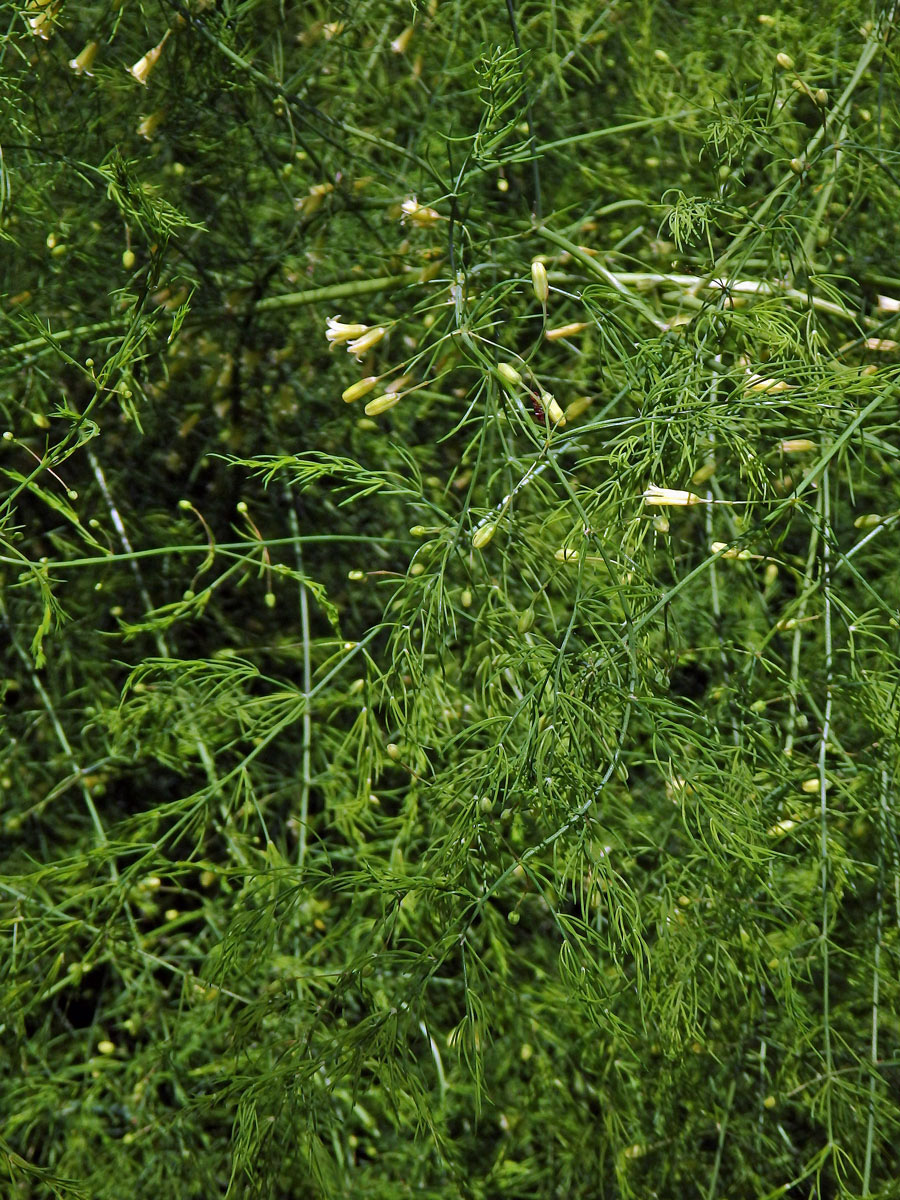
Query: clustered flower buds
{"points": [[41, 23]]}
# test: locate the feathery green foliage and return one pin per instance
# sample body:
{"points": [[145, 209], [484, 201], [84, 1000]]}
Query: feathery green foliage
{"points": [[491, 793]]}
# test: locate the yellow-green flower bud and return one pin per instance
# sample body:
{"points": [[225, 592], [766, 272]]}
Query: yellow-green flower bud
{"points": [[565, 331], [526, 620], [509, 374], [552, 409], [539, 280], [669, 496], [784, 61], [482, 536], [382, 403], [362, 387]]}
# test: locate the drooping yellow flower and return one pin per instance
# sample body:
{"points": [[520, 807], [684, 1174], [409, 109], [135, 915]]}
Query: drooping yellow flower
{"points": [[338, 333], [418, 214], [81, 64], [140, 71], [399, 44], [366, 341], [149, 124]]}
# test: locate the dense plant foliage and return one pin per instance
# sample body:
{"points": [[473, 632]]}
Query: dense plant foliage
{"points": [[450, 599]]}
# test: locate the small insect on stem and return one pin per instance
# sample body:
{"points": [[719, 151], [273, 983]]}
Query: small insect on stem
{"points": [[537, 414]]}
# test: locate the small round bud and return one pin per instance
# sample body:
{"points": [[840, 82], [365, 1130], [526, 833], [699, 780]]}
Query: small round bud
{"points": [[465, 598], [270, 600], [784, 61], [797, 166], [106, 1047], [417, 531], [392, 750], [241, 507], [513, 918], [821, 97], [417, 569], [526, 620], [356, 576], [128, 259]]}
